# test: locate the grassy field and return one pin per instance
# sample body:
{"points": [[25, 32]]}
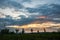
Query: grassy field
{"points": [[33, 36]]}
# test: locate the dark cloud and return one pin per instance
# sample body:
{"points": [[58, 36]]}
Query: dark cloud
{"points": [[26, 0], [48, 10], [9, 3]]}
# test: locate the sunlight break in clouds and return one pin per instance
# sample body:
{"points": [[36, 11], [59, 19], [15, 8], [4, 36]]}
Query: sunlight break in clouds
{"points": [[11, 12], [8, 11], [15, 14]]}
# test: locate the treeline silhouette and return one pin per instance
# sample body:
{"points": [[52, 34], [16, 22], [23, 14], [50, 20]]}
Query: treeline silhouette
{"points": [[5, 34], [6, 31]]}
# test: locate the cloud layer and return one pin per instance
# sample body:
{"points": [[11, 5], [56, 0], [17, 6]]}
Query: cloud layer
{"points": [[25, 11]]}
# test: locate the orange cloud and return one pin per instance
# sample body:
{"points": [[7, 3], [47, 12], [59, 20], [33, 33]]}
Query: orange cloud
{"points": [[43, 17]]}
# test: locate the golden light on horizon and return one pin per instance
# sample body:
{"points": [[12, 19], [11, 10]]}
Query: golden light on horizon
{"points": [[42, 25]]}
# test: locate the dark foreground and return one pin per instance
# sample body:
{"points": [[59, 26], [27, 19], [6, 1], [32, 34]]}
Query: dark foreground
{"points": [[33, 36]]}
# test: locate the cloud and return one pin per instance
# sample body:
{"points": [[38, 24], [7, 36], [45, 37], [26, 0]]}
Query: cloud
{"points": [[32, 3], [51, 10], [11, 4], [11, 13], [28, 8], [35, 3], [25, 11]]}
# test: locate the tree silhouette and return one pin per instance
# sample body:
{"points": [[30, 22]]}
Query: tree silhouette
{"points": [[16, 30], [31, 30], [22, 30], [37, 31], [44, 29], [5, 31]]}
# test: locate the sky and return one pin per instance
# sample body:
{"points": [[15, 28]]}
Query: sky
{"points": [[25, 12]]}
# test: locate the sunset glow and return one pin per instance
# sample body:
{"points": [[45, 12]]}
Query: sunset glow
{"points": [[43, 25]]}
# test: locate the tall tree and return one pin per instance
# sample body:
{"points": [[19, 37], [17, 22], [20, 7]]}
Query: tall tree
{"points": [[44, 29], [31, 30], [22, 30], [16, 30], [37, 31]]}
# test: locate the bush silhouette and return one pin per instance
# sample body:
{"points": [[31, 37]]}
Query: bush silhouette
{"points": [[5, 31]]}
